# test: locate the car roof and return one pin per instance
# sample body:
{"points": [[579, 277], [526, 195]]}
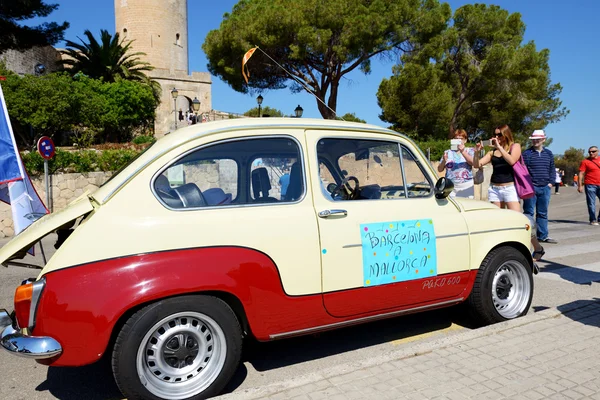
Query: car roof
{"points": [[193, 132]]}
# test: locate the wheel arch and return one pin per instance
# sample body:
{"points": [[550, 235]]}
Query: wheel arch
{"points": [[230, 299]]}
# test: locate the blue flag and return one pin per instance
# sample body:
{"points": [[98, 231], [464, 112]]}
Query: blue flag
{"points": [[15, 186]]}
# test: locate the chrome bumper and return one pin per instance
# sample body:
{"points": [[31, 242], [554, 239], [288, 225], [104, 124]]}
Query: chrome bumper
{"points": [[19, 344]]}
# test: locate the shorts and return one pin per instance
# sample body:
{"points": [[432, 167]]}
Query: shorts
{"points": [[505, 194], [464, 189]]}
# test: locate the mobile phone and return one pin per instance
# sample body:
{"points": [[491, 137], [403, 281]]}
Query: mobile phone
{"points": [[486, 142], [454, 144]]}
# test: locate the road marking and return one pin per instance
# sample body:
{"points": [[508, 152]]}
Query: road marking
{"points": [[409, 339]]}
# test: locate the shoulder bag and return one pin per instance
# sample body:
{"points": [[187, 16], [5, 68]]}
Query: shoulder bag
{"points": [[523, 181]]}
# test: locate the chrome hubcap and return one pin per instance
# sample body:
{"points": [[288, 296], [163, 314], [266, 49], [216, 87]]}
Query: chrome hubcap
{"points": [[511, 289], [181, 355]]}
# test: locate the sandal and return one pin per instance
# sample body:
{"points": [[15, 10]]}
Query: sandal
{"points": [[540, 252]]}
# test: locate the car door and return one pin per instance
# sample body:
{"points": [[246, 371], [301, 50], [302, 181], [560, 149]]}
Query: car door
{"points": [[393, 245]]}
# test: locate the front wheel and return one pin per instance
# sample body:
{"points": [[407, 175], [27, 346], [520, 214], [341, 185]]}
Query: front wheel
{"points": [[180, 348], [503, 287]]}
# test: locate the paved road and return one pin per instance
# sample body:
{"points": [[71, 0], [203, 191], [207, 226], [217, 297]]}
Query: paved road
{"points": [[568, 277]]}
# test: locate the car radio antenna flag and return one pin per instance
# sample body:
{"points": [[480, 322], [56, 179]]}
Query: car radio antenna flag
{"points": [[15, 186]]}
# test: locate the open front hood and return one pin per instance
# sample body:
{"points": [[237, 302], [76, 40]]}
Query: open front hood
{"points": [[43, 226]]}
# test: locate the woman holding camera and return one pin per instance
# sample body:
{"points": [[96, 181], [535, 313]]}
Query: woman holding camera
{"points": [[505, 153], [457, 163]]}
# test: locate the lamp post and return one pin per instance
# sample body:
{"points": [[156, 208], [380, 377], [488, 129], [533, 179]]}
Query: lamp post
{"points": [[175, 93], [259, 100], [196, 107], [298, 111]]}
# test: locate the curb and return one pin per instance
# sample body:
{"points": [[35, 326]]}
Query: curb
{"points": [[412, 350]]}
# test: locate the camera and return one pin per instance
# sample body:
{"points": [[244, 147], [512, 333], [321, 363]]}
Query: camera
{"points": [[486, 142], [454, 144]]}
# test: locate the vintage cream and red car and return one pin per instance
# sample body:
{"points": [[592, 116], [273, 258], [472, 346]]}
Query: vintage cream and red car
{"points": [[267, 228]]}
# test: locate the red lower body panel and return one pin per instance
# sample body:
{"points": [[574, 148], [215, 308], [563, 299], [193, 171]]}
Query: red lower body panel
{"points": [[81, 305]]}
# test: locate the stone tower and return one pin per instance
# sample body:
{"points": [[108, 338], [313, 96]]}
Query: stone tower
{"points": [[159, 28]]}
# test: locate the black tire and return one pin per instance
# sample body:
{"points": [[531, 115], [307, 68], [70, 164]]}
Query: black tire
{"points": [[180, 348], [503, 287]]}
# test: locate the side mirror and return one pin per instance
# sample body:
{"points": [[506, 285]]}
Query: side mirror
{"points": [[443, 188]]}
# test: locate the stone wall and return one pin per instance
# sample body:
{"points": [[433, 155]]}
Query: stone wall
{"points": [[24, 62], [64, 188]]}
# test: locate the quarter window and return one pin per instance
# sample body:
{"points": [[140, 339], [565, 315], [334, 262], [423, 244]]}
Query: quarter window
{"points": [[251, 171]]}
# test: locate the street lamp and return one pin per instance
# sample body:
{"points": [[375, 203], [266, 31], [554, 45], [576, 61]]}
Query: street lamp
{"points": [[259, 100], [298, 111], [196, 107], [175, 93]]}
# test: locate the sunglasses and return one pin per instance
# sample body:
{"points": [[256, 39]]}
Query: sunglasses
{"points": [[496, 135], [593, 151]]}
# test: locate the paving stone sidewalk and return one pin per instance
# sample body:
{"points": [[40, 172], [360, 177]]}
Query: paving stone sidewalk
{"points": [[552, 354]]}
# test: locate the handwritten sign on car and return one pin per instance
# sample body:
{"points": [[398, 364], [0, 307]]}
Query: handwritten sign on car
{"points": [[398, 251]]}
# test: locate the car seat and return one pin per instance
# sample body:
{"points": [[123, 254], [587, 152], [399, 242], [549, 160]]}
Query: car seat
{"points": [[261, 184], [296, 186]]}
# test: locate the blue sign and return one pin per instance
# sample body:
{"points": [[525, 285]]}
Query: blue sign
{"points": [[46, 147], [398, 251]]}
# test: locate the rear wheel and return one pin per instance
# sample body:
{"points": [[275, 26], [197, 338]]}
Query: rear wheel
{"points": [[503, 288], [180, 348]]}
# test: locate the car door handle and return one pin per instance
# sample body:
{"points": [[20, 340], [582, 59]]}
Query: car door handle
{"points": [[329, 213]]}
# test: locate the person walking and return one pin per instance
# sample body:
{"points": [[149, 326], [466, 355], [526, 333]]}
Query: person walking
{"points": [[558, 180], [589, 176], [457, 164], [505, 154], [540, 163]]}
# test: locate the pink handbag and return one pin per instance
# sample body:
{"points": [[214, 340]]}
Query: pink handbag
{"points": [[523, 181]]}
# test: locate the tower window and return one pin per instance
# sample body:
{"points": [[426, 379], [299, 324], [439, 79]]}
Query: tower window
{"points": [[177, 39]]}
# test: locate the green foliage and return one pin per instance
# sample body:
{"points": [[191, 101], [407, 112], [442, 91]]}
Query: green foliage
{"points": [[110, 59], [317, 41], [350, 117], [141, 139], [22, 37], [569, 162], [476, 74], [76, 110], [79, 161], [265, 111]]}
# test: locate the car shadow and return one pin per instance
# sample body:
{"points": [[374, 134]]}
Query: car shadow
{"points": [[91, 382], [272, 355], [570, 273], [586, 312], [96, 382]]}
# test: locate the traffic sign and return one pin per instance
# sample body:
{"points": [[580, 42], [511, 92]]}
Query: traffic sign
{"points": [[45, 147]]}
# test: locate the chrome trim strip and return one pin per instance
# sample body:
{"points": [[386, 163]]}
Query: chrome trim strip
{"points": [[361, 320], [349, 246], [452, 235], [498, 230], [305, 126], [38, 287]]}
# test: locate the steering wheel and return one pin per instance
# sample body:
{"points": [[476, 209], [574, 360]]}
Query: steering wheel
{"points": [[348, 192]]}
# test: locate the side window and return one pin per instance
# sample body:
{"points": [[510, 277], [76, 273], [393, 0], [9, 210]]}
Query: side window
{"points": [[356, 169], [233, 173], [417, 182]]}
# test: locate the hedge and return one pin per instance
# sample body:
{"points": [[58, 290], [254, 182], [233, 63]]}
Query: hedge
{"points": [[79, 161]]}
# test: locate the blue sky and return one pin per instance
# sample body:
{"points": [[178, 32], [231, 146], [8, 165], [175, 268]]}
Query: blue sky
{"points": [[570, 31]]}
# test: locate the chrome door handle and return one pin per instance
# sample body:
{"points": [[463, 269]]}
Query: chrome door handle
{"points": [[329, 213]]}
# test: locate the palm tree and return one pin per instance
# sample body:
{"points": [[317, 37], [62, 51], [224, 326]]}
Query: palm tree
{"points": [[109, 60]]}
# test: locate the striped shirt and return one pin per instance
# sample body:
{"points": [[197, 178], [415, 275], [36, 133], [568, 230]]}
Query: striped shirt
{"points": [[540, 165]]}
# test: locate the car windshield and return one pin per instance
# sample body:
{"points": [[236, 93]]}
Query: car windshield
{"points": [[128, 164]]}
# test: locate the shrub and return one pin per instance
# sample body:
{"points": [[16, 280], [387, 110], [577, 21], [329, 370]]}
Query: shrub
{"points": [[79, 161], [141, 139]]}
